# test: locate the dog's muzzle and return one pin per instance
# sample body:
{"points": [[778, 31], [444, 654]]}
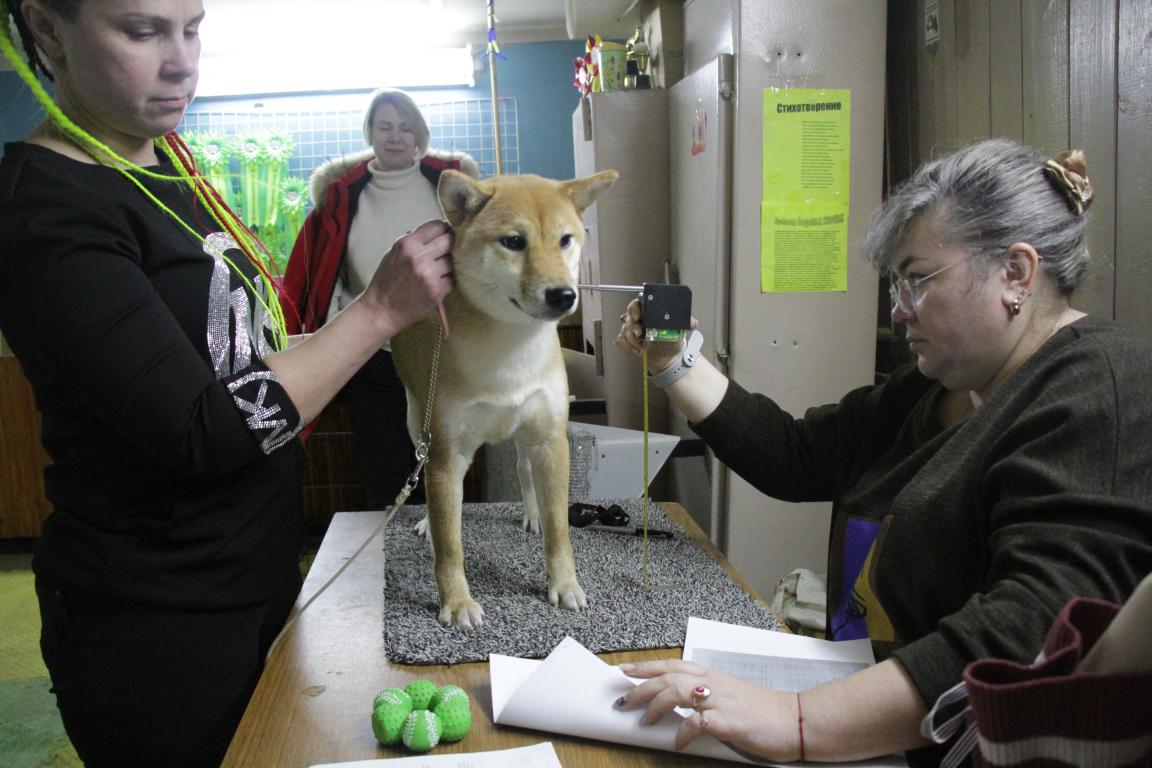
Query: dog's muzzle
{"points": [[557, 303]]}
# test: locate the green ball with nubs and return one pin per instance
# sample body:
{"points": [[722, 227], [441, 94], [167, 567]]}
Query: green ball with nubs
{"points": [[455, 718], [391, 710], [393, 696], [421, 730], [447, 692], [421, 692]]}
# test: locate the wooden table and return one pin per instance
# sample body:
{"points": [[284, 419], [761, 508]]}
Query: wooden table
{"points": [[313, 703]]}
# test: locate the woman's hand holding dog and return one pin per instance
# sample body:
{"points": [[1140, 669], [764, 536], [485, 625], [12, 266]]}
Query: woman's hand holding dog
{"points": [[413, 277], [411, 281]]}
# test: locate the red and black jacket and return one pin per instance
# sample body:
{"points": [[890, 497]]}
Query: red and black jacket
{"points": [[310, 277]]}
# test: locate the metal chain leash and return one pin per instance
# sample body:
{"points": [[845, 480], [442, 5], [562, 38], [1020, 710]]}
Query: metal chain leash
{"points": [[425, 442], [423, 446]]}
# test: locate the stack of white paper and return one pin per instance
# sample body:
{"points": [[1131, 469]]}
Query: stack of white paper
{"points": [[572, 691], [536, 756]]}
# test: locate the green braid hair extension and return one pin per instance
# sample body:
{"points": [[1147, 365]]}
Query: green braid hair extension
{"points": [[247, 241]]}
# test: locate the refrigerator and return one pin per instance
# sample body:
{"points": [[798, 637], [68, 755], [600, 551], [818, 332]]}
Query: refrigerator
{"points": [[801, 349], [687, 209], [627, 240]]}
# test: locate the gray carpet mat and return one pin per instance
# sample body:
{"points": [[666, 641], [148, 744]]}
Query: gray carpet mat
{"points": [[505, 569]]}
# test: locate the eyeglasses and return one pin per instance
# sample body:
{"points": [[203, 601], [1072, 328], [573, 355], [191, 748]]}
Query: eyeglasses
{"points": [[908, 294]]}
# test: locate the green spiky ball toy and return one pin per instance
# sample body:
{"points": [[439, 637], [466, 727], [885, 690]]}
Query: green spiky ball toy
{"points": [[421, 730], [390, 710], [421, 715], [455, 718], [393, 696], [421, 692], [445, 693]]}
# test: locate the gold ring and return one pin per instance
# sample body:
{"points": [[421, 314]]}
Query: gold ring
{"points": [[699, 693]]}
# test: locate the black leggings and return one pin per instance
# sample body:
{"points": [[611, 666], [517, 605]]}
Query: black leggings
{"points": [[379, 410], [152, 687]]}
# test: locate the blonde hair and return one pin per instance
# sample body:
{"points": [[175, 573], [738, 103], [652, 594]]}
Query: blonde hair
{"points": [[408, 110]]}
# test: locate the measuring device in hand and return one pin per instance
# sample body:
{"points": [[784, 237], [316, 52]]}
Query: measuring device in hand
{"points": [[665, 308], [665, 314]]}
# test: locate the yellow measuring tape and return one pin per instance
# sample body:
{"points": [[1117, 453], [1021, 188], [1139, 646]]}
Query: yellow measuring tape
{"points": [[644, 375]]}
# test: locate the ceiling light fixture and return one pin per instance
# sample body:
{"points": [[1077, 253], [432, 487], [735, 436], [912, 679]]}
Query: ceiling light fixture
{"points": [[298, 49]]}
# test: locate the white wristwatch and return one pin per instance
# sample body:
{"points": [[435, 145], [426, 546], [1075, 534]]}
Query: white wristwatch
{"points": [[681, 366]]}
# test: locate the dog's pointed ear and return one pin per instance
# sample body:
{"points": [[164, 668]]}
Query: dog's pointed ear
{"points": [[461, 196], [584, 192]]}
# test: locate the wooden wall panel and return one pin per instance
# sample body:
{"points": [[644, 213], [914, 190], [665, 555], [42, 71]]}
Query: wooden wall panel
{"points": [[973, 73], [937, 85], [1092, 127], [1134, 165], [1056, 74], [1006, 64], [1044, 52]]}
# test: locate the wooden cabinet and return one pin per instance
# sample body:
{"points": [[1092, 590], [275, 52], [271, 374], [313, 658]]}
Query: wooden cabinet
{"points": [[23, 505]]}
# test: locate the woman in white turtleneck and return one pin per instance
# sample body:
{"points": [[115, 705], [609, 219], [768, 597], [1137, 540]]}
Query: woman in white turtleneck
{"points": [[363, 204], [397, 197]]}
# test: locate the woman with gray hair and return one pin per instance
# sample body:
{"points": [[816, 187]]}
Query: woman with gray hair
{"points": [[363, 203], [974, 492]]}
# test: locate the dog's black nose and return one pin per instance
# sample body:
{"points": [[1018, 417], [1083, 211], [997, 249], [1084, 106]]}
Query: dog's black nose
{"points": [[560, 298]]}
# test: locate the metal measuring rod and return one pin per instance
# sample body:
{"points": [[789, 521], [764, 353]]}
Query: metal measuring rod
{"points": [[665, 308]]}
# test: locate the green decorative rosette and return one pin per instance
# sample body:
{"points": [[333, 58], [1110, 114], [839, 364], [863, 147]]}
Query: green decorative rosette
{"points": [[213, 155]]}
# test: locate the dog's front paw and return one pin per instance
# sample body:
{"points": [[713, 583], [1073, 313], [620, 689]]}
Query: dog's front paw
{"points": [[568, 595], [421, 528], [463, 613], [531, 523]]}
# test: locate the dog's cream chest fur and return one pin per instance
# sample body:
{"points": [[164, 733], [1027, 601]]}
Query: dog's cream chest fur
{"points": [[490, 389]]}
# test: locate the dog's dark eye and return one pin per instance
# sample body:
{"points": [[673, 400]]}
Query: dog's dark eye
{"points": [[514, 242], [565, 241]]}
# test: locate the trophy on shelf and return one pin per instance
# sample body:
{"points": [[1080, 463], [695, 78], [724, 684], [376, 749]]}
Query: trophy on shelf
{"points": [[639, 55]]}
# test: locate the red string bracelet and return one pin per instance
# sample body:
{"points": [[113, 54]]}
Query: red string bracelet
{"points": [[800, 725]]}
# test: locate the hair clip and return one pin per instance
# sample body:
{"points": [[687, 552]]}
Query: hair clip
{"points": [[1068, 172]]}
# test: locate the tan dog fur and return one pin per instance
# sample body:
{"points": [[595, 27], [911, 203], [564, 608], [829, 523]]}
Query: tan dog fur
{"points": [[501, 373]]}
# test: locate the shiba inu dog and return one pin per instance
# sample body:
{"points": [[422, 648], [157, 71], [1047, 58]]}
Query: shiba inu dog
{"points": [[501, 373]]}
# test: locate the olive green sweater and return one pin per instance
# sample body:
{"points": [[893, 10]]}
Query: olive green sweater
{"points": [[985, 529]]}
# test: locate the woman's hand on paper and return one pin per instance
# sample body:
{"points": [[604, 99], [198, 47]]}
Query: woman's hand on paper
{"points": [[741, 714]]}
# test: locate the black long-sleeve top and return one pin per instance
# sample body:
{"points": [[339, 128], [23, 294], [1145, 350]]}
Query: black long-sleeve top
{"points": [[174, 463]]}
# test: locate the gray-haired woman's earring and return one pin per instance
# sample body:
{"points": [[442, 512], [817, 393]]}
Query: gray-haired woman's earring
{"points": [[1014, 307]]}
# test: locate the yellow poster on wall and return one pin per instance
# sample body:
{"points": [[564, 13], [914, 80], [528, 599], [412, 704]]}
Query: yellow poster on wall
{"points": [[804, 204]]}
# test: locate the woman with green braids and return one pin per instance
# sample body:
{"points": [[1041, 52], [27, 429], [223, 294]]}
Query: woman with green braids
{"points": [[144, 316]]}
